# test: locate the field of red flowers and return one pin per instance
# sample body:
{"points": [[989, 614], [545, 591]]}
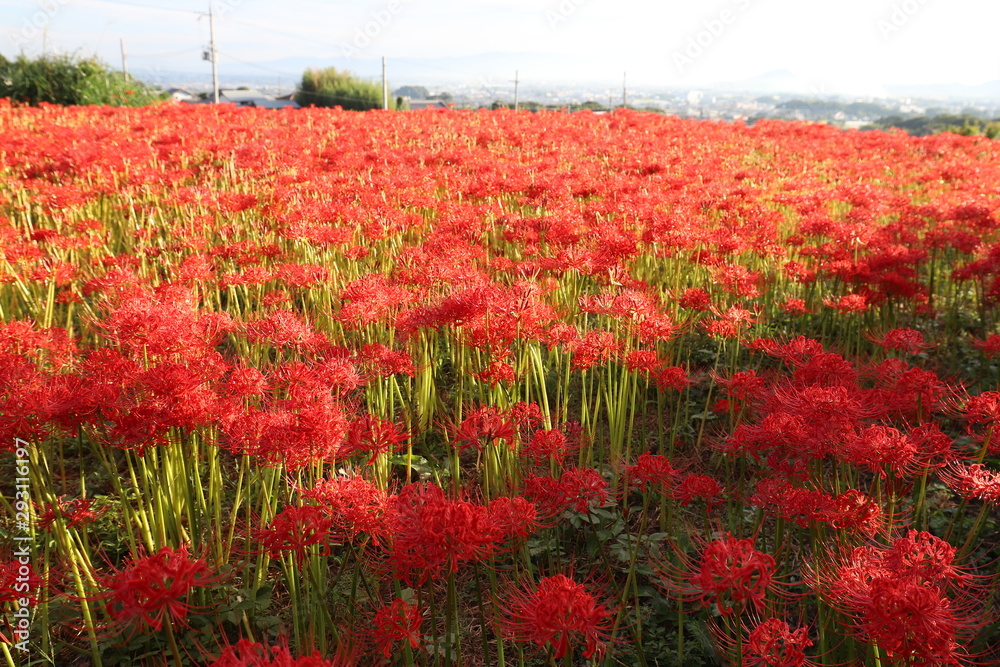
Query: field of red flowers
{"points": [[490, 388]]}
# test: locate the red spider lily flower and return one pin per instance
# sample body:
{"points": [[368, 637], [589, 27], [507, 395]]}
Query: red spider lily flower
{"points": [[972, 481], [76, 512], [990, 346], [584, 489], [983, 409], [397, 622], [153, 590], [652, 471], [496, 372], [550, 444], [730, 323], [594, 348], [695, 298], [513, 518], [559, 613], [732, 573], [19, 580], [773, 644], [355, 506], [672, 377], [434, 536], [486, 425], [642, 361], [386, 362], [906, 340], [254, 654], [294, 530], [698, 486], [909, 598], [882, 450], [849, 303], [374, 436], [794, 306]]}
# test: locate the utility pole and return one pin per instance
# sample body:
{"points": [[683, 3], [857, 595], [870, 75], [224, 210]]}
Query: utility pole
{"points": [[624, 92], [515, 91], [124, 60], [609, 100], [385, 87], [215, 58]]}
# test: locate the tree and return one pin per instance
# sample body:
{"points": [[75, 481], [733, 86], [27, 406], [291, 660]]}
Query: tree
{"points": [[330, 87], [413, 92], [66, 79]]}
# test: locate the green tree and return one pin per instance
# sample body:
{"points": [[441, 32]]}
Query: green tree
{"points": [[66, 79], [330, 87], [413, 92]]}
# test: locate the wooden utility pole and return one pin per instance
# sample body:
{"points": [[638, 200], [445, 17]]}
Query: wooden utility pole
{"points": [[215, 57], [515, 90], [121, 40], [385, 87]]}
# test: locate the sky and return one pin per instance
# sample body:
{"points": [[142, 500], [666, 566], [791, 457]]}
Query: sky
{"points": [[842, 47]]}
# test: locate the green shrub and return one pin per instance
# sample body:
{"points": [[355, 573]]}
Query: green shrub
{"points": [[330, 87], [70, 80]]}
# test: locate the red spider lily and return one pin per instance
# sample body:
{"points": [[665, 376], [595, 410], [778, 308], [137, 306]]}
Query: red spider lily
{"points": [[883, 451], [850, 510], [983, 409], [579, 489], [496, 372], [253, 654], [153, 590], [692, 487], [849, 303], [732, 573], [354, 506], [374, 436], [695, 298], [294, 530], [794, 306], [972, 481], [561, 614], [550, 444], [672, 377], [434, 536], [990, 345], [652, 471], [76, 512], [484, 426], [594, 348], [909, 598], [513, 518], [397, 622], [19, 581], [906, 340], [772, 643]]}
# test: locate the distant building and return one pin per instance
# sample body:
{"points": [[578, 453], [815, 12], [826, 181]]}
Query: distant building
{"points": [[181, 95], [248, 97]]}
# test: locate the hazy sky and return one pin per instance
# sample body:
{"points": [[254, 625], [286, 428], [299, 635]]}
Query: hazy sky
{"points": [[841, 46]]}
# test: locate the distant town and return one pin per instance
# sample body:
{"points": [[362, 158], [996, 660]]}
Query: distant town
{"points": [[841, 111]]}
